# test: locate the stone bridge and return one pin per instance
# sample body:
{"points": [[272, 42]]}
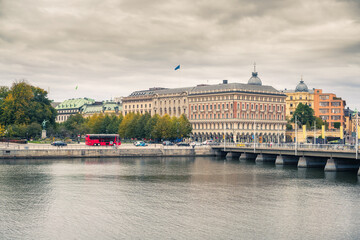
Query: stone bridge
{"points": [[330, 158]]}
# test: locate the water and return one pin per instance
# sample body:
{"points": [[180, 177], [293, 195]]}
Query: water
{"points": [[176, 198]]}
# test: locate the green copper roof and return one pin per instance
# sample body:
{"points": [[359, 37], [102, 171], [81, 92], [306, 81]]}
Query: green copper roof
{"points": [[75, 103]]}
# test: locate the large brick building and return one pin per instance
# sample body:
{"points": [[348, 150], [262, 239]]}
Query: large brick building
{"points": [[237, 110]]}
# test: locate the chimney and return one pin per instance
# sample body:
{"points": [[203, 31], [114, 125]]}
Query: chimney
{"points": [[225, 81]]}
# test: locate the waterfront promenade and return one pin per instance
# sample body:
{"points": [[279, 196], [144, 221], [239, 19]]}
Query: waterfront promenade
{"points": [[35, 151]]}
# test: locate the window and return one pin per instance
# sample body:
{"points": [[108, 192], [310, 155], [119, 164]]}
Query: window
{"points": [[324, 104], [336, 104], [324, 97]]}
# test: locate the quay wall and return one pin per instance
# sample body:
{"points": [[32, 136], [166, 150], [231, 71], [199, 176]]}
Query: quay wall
{"points": [[97, 153]]}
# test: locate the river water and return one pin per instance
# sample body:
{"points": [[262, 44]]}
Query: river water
{"points": [[174, 198]]}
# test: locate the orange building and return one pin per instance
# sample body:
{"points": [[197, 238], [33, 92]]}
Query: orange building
{"points": [[329, 108]]}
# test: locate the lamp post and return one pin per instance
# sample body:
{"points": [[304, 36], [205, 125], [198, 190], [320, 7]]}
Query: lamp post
{"points": [[296, 136], [357, 132], [314, 132], [254, 136], [224, 137]]}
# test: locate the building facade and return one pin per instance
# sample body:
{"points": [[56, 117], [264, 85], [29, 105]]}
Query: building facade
{"points": [[329, 108], [70, 107], [301, 94], [159, 101], [85, 106], [238, 111]]}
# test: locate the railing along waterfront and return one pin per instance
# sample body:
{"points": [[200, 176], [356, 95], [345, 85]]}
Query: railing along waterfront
{"points": [[291, 146]]}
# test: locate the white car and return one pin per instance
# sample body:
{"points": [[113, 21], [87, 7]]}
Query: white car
{"points": [[208, 142], [195, 144]]}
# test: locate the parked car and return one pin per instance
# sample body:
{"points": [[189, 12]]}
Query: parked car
{"points": [[168, 143], [195, 144], [59, 143], [183, 144], [140, 144], [208, 142]]}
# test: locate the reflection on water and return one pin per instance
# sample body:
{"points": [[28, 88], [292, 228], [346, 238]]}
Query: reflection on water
{"points": [[180, 198]]}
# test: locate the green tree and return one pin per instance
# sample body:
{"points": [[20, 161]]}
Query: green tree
{"points": [[185, 126], [113, 127], [75, 125], [33, 130], [24, 104], [163, 127], [304, 114], [150, 127], [337, 125]]}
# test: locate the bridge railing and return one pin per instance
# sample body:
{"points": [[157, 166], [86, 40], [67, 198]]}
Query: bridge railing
{"points": [[291, 146]]}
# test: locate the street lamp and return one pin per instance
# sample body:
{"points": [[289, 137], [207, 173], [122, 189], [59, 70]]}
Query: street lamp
{"points": [[357, 132], [296, 135]]}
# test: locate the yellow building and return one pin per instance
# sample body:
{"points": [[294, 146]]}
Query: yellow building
{"points": [[301, 94]]}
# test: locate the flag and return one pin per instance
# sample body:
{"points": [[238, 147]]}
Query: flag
{"points": [[76, 87], [178, 67]]}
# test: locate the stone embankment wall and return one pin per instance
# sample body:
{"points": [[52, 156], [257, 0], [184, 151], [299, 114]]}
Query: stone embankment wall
{"points": [[95, 153]]}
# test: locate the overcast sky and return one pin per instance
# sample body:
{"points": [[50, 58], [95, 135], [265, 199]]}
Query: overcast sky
{"points": [[110, 48]]}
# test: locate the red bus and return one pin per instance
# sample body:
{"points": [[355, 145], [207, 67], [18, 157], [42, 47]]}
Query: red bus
{"points": [[102, 139]]}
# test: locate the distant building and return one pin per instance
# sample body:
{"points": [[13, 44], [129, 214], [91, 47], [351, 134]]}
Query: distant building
{"points": [[87, 107], [301, 94], [158, 101], [329, 108], [106, 107], [240, 111], [70, 107]]}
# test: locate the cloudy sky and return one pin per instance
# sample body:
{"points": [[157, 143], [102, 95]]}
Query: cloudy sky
{"points": [[110, 48]]}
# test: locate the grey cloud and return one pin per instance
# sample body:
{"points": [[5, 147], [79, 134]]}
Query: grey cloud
{"points": [[130, 45]]}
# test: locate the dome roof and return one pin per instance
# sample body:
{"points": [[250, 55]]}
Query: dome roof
{"points": [[301, 87], [255, 80]]}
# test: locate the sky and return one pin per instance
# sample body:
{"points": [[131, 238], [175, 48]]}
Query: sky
{"points": [[110, 48]]}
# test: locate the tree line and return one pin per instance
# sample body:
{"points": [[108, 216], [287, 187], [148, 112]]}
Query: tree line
{"points": [[133, 125], [23, 107]]}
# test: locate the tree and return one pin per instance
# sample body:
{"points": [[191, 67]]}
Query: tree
{"points": [[185, 126], [2, 130], [150, 126], [304, 114], [33, 130], [337, 125], [163, 127], [24, 104]]}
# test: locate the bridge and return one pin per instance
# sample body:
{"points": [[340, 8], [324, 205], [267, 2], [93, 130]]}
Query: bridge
{"points": [[329, 157]]}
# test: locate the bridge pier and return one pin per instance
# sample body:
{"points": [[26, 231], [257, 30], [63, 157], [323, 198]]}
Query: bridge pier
{"points": [[341, 165], [247, 156], [231, 155], [286, 160], [265, 158], [220, 153], [311, 162]]}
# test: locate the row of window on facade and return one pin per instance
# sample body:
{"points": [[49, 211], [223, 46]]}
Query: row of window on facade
{"points": [[238, 126], [300, 98], [169, 101], [61, 118], [248, 116], [326, 117], [309, 104], [226, 106], [137, 106], [241, 97], [333, 110], [333, 104], [68, 111]]}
